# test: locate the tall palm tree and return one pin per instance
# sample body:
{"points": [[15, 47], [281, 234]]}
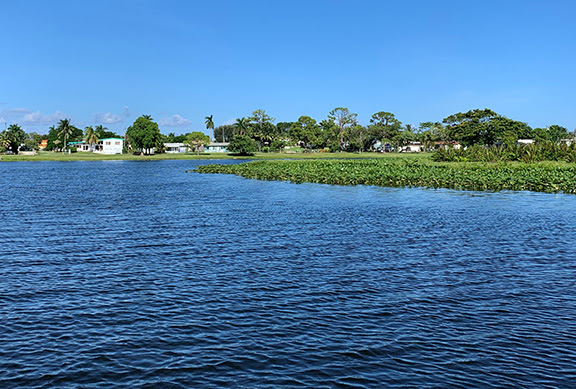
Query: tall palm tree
{"points": [[209, 124], [241, 125], [91, 137], [100, 129], [65, 130]]}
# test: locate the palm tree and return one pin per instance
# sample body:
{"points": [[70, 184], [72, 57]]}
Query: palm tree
{"points": [[65, 130], [91, 136], [209, 124], [241, 125], [100, 129]]}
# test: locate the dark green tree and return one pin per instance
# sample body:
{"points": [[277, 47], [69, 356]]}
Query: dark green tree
{"points": [[103, 132], [225, 132], [65, 132], [261, 127], [384, 127], [306, 131], [209, 124], [13, 137], [91, 137], [479, 126], [553, 133], [241, 126], [357, 138], [143, 135], [242, 145]]}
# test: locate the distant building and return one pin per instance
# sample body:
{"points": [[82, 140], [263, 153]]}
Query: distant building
{"points": [[525, 141], [176, 148], [43, 144], [447, 145], [414, 147], [216, 147], [110, 146]]}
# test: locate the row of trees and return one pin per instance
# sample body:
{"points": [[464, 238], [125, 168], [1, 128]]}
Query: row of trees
{"points": [[339, 131]]}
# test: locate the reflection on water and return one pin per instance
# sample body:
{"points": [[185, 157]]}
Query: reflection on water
{"points": [[139, 274]]}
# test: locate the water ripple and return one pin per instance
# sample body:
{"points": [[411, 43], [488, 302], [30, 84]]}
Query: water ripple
{"points": [[159, 278]]}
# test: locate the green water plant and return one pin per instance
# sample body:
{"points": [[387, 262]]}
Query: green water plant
{"points": [[542, 177]]}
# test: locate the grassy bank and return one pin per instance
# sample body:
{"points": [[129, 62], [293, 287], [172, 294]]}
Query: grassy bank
{"points": [[412, 172], [51, 156]]}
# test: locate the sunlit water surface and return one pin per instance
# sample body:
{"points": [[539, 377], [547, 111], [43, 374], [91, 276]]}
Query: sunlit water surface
{"points": [[138, 274]]}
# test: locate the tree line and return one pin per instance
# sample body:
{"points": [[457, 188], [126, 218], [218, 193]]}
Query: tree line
{"points": [[339, 131]]}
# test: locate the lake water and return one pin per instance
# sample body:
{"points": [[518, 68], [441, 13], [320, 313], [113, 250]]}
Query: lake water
{"points": [[138, 274]]}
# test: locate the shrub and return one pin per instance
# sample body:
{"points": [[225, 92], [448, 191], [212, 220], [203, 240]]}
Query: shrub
{"points": [[242, 145]]}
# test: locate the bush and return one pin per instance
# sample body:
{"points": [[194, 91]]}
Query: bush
{"points": [[536, 152], [242, 145]]}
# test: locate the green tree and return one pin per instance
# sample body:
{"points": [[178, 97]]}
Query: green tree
{"points": [[225, 132], [209, 124], [357, 138], [91, 137], [241, 126], [483, 127], [305, 130], [32, 141], [143, 135], [553, 133], [242, 145], [283, 129], [384, 127], [65, 131], [196, 140], [261, 127], [103, 132], [13, 137], [343, 119]]}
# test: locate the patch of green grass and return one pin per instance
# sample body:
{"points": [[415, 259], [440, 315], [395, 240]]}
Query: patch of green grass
{"points": [[52, 156]]}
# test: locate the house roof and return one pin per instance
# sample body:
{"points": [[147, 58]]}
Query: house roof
{"points": [[112, 139]]}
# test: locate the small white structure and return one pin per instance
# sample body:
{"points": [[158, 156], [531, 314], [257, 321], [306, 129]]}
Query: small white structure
{"points": [[414, 147], [80, 146], [216, 147], [110, 146], [525, 141], [176, 148]]}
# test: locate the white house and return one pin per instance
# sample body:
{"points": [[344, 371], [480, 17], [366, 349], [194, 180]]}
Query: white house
{"points": [[216, 147], [110, 146], [525, 141], [176, 148], [414, 147], [80, 146]]}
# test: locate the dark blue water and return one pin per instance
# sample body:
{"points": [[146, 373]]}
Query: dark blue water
{"points": [[137, 274]]}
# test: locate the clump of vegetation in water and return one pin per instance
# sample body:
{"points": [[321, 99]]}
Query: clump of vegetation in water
{"points": [[542, 177], [536, 152]]}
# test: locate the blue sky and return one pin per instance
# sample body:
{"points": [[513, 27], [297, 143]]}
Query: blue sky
{"points": [[108, 62]]}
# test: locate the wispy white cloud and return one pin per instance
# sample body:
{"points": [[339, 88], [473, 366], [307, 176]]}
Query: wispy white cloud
{"points": [[39, 118], [14, 111], [175, 121], [229, 122], [111, 118], [107, 118]]}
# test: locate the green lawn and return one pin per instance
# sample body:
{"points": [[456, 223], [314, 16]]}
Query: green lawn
{"points": [[52, 156]]}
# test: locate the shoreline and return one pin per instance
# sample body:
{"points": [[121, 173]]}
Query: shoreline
{"points": [[50, 156]]}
